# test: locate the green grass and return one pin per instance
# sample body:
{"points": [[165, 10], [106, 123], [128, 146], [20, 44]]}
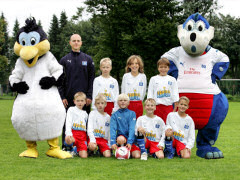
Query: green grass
{"points": [[14, 167]]}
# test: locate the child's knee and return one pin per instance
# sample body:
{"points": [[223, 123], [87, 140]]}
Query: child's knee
{"points": [[83, 154], [136, 154], [159, 154], [107, 153]]}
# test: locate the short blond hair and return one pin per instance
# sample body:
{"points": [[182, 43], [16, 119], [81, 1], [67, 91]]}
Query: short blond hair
{"points": [[108, 60], [150, 100], [184, 98], [100, 97], [80, 94], [163, 61], [140, 63], [123, 97]]}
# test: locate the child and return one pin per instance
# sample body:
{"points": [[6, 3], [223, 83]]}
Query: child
{"points": [[183, 129], [106, 85], [99, 127], [164, 90], [134, 84], [153, 128], [76, 125], [122, 127]]}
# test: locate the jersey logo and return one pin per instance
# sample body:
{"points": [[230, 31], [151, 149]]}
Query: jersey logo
{"points": [[69, 60], [107, 124], [203, 66], [157, 126], [186, 126], [182, 63], [84, 63], [111, 86], [140, 83], [170, 83]]}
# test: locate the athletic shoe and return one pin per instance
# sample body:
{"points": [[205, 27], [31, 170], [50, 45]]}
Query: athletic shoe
{"points": [[144, 156]]}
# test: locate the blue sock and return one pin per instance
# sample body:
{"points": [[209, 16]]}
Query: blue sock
{"points": [[141, 144]]}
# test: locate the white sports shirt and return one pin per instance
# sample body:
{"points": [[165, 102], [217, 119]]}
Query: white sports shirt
{"points": [[134, 86], [106, 86], [163, 89], [154, 128], [194, 73], [183, 128], [76, 120], [98, 126]]}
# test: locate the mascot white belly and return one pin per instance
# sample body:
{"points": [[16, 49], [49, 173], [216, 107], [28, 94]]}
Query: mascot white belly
{"points": [[38, 114]]}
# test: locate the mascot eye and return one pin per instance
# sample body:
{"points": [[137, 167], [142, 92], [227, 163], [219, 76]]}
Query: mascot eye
{"points": [[33, 41], [189, 27], [200, 26], [23, 42]]}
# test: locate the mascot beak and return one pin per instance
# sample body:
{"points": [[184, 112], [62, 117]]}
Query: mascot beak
{"points": [[30, 54]]}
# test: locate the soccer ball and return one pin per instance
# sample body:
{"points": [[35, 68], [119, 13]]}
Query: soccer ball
{"points": [[122, 153]]}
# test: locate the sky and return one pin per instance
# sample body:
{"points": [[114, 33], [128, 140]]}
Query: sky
{"points": [[44, 9]]}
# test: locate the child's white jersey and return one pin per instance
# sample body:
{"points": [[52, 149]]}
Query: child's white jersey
{"points": [[194, 73], [183, 128], [98, 126], [76, 120], [106, 86], [163, 89], [134, 86], [154, 128]]}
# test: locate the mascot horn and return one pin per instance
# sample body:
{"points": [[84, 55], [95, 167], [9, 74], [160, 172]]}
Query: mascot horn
{"points": [[196, 66], [38, 113]]}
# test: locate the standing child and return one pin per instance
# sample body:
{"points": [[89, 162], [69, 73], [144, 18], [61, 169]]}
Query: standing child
{"points": [[134, 84], [76, 125], [153, 129], [183, 129], [164, 90], [106, 85], [122, 127], [99, 127]]}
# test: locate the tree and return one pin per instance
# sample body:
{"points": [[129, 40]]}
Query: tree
{"points": [[143, 27], [5, 45]]}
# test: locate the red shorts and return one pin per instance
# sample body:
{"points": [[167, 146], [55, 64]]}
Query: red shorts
{"points": [[102, 144], [137, 107], [162, 111], [80, 140], [134, 146], [152, 146], [178, 145], [108, 109]]}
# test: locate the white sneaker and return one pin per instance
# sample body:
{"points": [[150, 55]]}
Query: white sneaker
{"points": [[144, 156]]}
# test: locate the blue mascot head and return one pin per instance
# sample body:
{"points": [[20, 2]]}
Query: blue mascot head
{"points": [[195, 34]]}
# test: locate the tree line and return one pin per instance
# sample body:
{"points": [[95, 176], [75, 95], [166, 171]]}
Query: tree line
{"points": [[118, 29]]}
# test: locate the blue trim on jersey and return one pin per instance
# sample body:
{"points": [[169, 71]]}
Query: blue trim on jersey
{"points": [[219, 69], [173, 70]]}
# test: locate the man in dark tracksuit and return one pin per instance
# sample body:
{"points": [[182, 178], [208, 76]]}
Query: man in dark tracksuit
{"points": [[79, 75]]}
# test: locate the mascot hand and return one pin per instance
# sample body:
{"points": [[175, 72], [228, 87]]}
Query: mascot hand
{"points": [[20, 87], [47, 82]]}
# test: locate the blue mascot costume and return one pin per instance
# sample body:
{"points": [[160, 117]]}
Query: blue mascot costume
{"points": [[196, 66]]}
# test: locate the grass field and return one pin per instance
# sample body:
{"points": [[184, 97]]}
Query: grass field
{"points": [[14, 167]]}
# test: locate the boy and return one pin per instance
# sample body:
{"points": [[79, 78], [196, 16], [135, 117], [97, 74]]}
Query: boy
{"points": [[76, 125], [164, 90], [153, 128], [99, 127], [106, 85], [122, 127], [183, 129]]}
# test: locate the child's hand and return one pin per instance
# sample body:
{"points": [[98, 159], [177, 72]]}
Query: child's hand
{"points": [[160, 147], [69, 139], [114, 147], [129, 146], [141, 130], [91, 145], [169, 133]]}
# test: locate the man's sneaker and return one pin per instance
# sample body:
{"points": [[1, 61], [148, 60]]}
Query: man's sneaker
{"points": [[144, 156]]}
